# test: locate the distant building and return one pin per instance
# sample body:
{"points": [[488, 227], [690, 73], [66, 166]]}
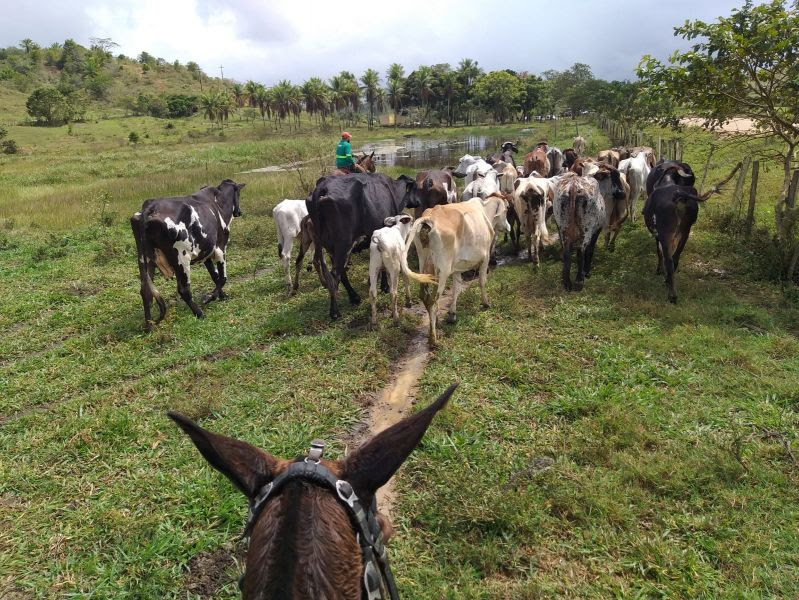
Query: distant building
{"points": [[390, 119]]}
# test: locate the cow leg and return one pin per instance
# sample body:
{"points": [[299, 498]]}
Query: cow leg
{"points": [[375, 264], [355, 299], [457, 288], [184, 289], [566, 272], [589, 253], [407, 291], [392, 283], [222, 270], [285, 258], [212, 271], [483, 274], [659, 270], [330, 280], [669, 265], [680, 247], [384, 282], [580, 279]]}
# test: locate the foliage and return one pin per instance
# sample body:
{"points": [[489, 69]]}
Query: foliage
{"points": [[499, 93], [47, 105], [181, 105], [744, 65], [133, 137]]}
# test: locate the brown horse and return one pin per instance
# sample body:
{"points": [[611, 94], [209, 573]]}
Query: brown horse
{"points": [[303, 540], [363, 164]]}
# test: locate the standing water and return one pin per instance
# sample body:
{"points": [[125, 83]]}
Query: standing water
{"points": [[419, 153]]}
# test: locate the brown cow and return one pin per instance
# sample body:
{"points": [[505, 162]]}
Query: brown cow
{"points": [[537, 161], [434, 187], [610, 157]]}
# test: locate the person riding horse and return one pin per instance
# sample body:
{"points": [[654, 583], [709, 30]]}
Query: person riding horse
{"points": [[344, 160]]}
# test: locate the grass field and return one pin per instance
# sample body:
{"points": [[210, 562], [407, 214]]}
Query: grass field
{"points": [[669, 428]]}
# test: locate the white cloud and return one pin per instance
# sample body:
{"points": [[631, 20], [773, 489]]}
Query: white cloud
{"points": [[268, 41]]}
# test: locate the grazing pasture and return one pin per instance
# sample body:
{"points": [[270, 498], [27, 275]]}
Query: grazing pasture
{"points": [[602, 443]]}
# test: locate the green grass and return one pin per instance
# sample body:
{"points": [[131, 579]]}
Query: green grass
{"points": [[663, 483]]}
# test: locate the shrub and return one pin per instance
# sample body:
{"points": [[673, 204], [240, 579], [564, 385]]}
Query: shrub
{"points": [[133, 137], [9, 147]]}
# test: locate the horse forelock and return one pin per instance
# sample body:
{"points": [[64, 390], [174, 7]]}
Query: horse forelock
{"points": [[304, 546]]}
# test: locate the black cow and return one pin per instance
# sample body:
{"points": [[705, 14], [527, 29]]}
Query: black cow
{"points": [[175, 233], [669, 172], [505, 154], [669, 213], [345, 212]]}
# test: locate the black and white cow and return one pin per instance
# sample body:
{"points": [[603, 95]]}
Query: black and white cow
{"points": [[174, 233]]}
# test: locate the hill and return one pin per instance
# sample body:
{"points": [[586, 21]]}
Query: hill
{"points": [[111, 83]]}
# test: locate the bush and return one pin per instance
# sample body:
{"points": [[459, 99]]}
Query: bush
{"points": [[133, 137], [47, 104], [9, 147]]}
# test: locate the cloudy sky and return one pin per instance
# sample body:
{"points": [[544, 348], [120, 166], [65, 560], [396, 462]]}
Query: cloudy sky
{"points": [[267, 40]]}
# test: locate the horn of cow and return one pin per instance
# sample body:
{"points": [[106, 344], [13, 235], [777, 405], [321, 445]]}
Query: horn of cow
{"points": [[682, 173]]}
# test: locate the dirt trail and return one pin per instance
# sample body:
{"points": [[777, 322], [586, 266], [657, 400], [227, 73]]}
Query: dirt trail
{"points": [[396, 399]]}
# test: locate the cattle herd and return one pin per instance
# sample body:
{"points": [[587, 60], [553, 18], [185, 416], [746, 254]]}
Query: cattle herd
{"points": [[450, 234], [329, 506]]}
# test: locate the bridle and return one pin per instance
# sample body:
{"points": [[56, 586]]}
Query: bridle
{"points": [[378, 581]]}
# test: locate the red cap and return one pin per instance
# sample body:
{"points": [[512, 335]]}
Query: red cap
{"points": [[346, 135]]}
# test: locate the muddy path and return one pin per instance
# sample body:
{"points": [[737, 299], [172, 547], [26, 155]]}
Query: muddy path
{"points": [[396, 399]]}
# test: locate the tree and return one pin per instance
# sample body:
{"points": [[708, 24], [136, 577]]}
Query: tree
{"points": [[47, 104], [534, 92], [371, 86], [238, 94], [500, 93], [317, 97], [27, 45], [744, 65], [395, 85]]}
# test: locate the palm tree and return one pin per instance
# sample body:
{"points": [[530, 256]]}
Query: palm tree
{"points": [[339, 95], [27, 44], [448, 86], [468, 72], [316, 96], [263, 99], [371, 85], [224, 102], [251, 89], [210, 106], [425, 80], [238, 94], [395, 80]]}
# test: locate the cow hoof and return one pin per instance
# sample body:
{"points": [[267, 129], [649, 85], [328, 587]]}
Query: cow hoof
{"points": [[308, 268], [578, 286], [355, 300], [334, 316], [485, 306], [492, 262], [451, 319], [673, 299], [200, 315]]}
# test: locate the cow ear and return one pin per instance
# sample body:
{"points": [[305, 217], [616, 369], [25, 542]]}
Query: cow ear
{"points": [[245, 465], [372, 155], [405, 219], [389, 221], [516, 184], [241, 186], [369, 467]]}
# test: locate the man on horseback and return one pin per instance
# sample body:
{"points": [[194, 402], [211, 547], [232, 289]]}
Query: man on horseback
{"points": [[344, 159]]}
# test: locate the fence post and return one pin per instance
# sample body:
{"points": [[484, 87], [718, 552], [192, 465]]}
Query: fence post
{"points": [[660, 149], [707, 166], [750, 213], [679, 151], [737, 194]]}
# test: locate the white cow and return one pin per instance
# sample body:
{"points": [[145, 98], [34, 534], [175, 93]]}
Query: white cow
{"points": [[451, 239], [469, 166], [636, 170], [507, 177], [386, 252], [579, 145], [529, 200], [482, 186], [288, 216]]}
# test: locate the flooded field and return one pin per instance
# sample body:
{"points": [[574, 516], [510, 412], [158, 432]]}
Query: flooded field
{"points": [[418, 153]]}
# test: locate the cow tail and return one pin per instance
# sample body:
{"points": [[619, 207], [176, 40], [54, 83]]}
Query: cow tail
{"points": [[316, 222], [415, 230], [571, 230], [138, 225]]}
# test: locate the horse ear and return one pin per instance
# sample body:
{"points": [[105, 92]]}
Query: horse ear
{"points": [[372, 465], [246, 466]]}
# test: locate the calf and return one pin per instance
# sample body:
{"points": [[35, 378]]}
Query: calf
{"points": [[580, 215], [615, 192], [175, 233], [482, 186], [669, 214], [507, 178], [449, 240], [610, 157], [288, 216], [636, 170], [434, 187], [385, 253], [529, 202]]}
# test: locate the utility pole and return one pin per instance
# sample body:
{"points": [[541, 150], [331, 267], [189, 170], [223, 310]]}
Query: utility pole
{"points": [[222, 73]]}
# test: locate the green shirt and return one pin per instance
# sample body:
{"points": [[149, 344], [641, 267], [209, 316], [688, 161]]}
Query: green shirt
{"points": [[344, 154]]}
